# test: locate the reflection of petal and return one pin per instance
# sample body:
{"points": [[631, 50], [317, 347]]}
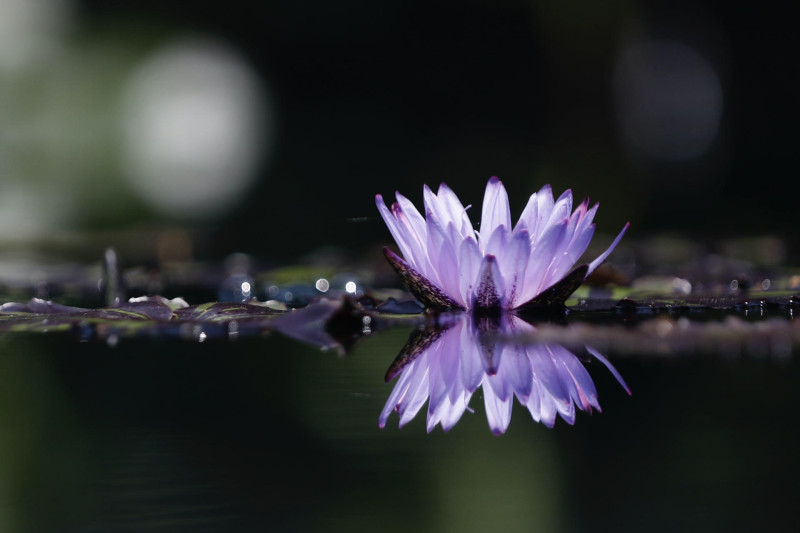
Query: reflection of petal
{"points": [[610, 367], [468, 353], [498, 410], [517, 370], [416, 392], [471, 361]]}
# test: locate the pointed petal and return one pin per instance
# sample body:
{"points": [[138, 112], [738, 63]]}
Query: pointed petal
{"points": [[453, 414], [517, 370], [533, 402], [567, 412], [442, 254], [406, 241], [495, 211], [583, 232], [562, 208], [397, 395], [433, 205], [547, 408], [472, 371], [415, 398], [498, 412], [542, 254], [529, 215], [514, 266], [489, 292], [415, 219], [584, 392], [412, 382], [457, 211], [602, 257], [495, 243], [547, 373], [469, 263], [580, 241], [489, 344], [610, 368], [500, 381], [445, 360], [544, 207], [582, 389]]}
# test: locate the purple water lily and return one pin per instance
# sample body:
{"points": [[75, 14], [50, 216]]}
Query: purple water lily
{"points": [[449, 265], [446, 366]]}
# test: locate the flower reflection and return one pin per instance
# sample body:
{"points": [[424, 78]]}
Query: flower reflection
{"points": [[446, 365]]}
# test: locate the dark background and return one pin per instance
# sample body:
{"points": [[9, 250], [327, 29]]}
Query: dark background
{"points": [[373, 97]]}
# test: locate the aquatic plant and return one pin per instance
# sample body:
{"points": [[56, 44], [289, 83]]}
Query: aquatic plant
{"points": [[447, 264]]}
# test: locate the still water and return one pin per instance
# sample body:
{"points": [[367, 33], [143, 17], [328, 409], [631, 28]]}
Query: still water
{"points": [[269, 433]]}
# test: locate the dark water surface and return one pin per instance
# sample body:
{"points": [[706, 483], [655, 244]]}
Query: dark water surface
{"points": [[270, 434]]}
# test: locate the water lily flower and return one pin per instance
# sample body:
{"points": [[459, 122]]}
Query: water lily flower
{"points": [[446, 366], [449, 265]]}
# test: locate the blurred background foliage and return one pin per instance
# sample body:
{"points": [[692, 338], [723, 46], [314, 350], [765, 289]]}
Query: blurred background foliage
{"points": [[268, 127]]}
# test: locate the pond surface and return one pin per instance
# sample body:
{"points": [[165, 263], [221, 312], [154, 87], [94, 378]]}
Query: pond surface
{"points": [[105, 429]]}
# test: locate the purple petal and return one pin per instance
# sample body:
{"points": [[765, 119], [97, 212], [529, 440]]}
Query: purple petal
{"points": [[547, 408], [437, 384], [454, 413], [582, 388], [409, 380], [472, 371], [562, 208], [398, 393], [545, 369], [542, 254], [445, 360], [415, 219], [567, 412], [529, 215], [602, 257], [533, 400], [580, 241], [496, 211], [489, 292], [415, 398], [433, 205], [494, 243], [498, 412], [489, 343], [517, 370], [448, 414], [443, 257], [610, 368], [456, 210], [544, 207], [469, 263], [514, 265], [406, 241], [499, 382]]}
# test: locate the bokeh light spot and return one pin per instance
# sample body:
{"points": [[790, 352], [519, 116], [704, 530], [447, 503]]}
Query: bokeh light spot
{"points": [[668, 100], [194, 129]]}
